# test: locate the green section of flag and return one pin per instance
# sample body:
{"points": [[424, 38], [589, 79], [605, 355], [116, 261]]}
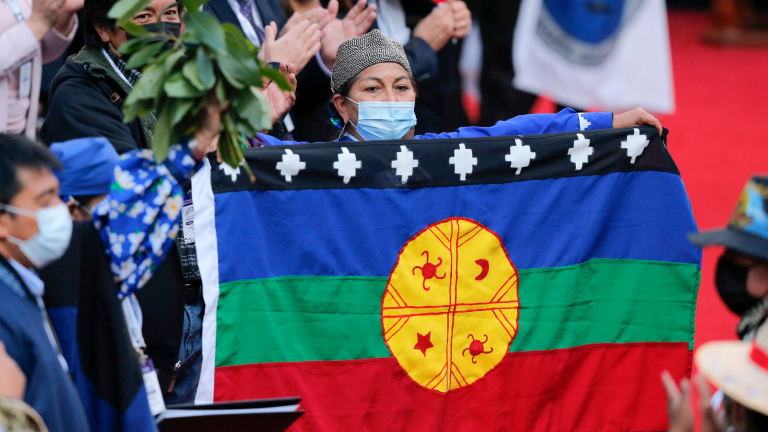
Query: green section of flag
{"points": [[305, 318]]}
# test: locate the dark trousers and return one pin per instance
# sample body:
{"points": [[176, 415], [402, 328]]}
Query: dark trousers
{"points": [[500, 100]]}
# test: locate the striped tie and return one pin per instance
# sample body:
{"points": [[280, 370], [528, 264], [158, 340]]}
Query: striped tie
{"points": [[246, 8]]}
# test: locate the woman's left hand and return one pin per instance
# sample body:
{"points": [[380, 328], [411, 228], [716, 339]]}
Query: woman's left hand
{"points": [[636, 117]]}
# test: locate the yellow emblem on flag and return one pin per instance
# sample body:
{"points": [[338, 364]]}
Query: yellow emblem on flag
{"points": [[450, 309]]}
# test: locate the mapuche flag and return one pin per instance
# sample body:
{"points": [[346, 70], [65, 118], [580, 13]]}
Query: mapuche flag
{"points": [[502, 283]]}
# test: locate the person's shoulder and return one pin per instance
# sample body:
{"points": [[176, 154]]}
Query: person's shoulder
{"points": [[15, 306]]}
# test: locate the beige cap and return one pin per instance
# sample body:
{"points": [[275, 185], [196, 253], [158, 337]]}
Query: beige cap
{"points": [[738, 368]]}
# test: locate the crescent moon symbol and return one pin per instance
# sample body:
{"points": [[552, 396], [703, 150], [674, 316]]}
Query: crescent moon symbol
{"points": [[483, 269]]}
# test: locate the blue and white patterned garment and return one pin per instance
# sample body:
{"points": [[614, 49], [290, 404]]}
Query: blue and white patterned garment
{"points": [[139, 219]]}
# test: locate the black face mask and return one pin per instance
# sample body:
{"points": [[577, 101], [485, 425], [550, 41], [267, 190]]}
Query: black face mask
{"points": [[172, 28], [731, 282]]}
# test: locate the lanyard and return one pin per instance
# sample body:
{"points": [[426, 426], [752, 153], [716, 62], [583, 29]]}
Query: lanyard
{"points": [[133, 318], [25, 71], [16, 9], [51, 335]]}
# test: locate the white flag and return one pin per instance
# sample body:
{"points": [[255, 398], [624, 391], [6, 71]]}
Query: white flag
{"points": [[607, 54]]}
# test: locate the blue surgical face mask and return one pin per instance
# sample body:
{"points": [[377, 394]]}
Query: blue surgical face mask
{"points": [[384, 120]]}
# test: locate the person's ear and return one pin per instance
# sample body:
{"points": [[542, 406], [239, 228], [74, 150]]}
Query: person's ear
{"points": [[73, 210], [104, 33], [340, 102], [5, 219]]}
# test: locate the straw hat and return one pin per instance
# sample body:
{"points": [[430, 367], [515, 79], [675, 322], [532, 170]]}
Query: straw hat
{"points": [[740, 369]]}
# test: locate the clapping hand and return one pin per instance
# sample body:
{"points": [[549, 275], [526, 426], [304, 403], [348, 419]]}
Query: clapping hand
{"points": [[281, 101], [297, 46], [356, 23], [318, 15]]}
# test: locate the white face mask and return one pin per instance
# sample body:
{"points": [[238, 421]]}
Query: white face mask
{"points": [[384, 120], [54, 226]]}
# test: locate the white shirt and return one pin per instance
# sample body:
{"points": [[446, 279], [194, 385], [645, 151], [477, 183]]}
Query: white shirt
{"points": [[390, 17], [30, 279], [250, 33]]}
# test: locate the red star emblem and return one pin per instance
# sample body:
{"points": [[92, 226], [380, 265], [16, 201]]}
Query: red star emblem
{"points": [[424, 343]]}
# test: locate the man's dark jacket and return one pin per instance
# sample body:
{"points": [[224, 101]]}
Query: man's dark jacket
{"points": [[85, 268], [87, 99], [49, 388], [88, 318]]}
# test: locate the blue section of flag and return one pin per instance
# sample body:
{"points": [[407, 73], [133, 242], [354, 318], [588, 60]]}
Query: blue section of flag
{"points": [[543, 223]]}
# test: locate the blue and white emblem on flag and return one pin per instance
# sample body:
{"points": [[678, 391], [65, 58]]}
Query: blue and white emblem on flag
{"points": [[584, 31]]}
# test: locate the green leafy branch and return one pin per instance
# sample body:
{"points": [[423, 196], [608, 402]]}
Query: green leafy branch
{"points": [[181, 75]]}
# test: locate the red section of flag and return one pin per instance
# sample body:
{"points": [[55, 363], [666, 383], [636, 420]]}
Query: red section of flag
{"points": [[604, 387]]}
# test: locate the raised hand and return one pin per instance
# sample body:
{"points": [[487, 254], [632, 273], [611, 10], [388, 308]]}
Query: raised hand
{"points": [[356, 23], [45, 14], [437, 28], [296, 47], [636, 117], [462, 18], [280, 101], [709, 420], [318, 16], [678, 404]]}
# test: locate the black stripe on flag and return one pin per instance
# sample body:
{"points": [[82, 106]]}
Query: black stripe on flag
{"points": [[493, 160]]}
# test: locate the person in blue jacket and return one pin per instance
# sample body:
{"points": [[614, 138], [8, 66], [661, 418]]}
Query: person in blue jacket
{"points": [[375, 92], [35, 230]]}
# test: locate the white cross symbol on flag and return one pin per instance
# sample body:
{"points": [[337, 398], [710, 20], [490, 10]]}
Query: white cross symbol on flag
{"points": [[635, 144], [291, 165], [580, 152], [405, 163], [347, 165], [519, 156], [462, 161]]}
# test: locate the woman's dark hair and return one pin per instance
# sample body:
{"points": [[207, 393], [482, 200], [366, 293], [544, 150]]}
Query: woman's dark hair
{"points": [[95, 12]]}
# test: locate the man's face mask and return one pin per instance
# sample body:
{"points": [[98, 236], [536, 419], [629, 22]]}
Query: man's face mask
{"points": [[384, 120], [54, 227], [731, 282], [171, 28]]}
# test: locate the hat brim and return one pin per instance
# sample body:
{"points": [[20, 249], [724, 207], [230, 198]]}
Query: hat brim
{"points": [[728, 366], [737, 240]]}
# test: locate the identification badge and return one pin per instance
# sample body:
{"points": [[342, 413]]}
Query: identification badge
{"points": [[188, 219], [25, 80], [152, 385]]}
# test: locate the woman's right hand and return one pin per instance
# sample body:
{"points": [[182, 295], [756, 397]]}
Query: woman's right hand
{"points": [[45, 14]]}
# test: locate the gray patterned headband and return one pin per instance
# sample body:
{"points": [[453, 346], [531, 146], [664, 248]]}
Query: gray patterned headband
{"points": [[356, 54]]}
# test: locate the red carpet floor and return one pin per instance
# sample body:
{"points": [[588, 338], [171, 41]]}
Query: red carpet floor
{"points": [[718, 137]]}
